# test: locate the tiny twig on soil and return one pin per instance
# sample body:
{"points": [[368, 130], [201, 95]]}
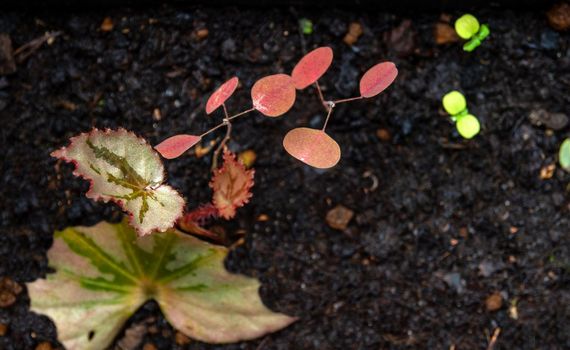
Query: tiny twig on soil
{"points": [[29, 48], [493, 339]]}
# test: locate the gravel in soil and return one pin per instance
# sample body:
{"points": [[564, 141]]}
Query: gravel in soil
{"points": [[440, 224]]}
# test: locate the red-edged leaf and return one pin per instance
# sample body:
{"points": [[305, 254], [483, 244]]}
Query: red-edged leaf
{"points": [[124, 168], [313, 147], [311, 67], [231, 184], [175, 146], [221, 95], [273, 95], [377, 79], [193, 221]]}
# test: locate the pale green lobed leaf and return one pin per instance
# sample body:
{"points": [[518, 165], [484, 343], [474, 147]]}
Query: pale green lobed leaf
{"points": [[126, 170], [105, 273]]}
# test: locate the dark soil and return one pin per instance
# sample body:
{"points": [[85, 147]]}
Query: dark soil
{"points": [[450, 223]]}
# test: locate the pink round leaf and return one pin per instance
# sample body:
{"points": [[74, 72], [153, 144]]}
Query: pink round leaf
{"points": [[313, 147], [221, 95], [273, 95], [377, 79], [175, 146], [311, 67]]}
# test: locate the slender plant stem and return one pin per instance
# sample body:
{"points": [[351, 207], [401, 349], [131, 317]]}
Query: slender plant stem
{"points": [[331, 107], [225, 140], [241, 113], [227, 119], [225, 111], [347, 100], [321, 96]]}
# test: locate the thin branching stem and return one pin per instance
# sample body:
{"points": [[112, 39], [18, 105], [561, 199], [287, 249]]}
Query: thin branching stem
{"points": [[347, 100], [228, 119], [226, 138], [331, 107], [321, 96]]}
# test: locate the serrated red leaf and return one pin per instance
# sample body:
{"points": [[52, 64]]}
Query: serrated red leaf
{"points": [[313, 147], [311, 67], [377, 79], [175, 146], [220, 96], [231, 184], [273, 95]]}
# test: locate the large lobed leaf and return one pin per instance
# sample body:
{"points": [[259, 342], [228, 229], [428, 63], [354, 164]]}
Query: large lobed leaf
{"points": [[104, 273], [232, 185], [125, 169]]}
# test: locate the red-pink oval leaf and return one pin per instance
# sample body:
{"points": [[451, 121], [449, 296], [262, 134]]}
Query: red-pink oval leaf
{"points": [[313, 147], [232, 186], [220, 96], [273, 95], [311, 67], [175, 146], [377, 79]]}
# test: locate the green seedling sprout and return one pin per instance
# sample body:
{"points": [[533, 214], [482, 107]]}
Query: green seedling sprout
{"points": [[468, 28], [564, 155], [306, 26], [455, 104]]}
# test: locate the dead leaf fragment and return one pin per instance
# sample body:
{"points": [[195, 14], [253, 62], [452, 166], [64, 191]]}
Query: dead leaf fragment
{"points": [[3, 329], [559, 16], [248, 158], [339, 217], [107, 24], [494, 302], [9, 291], [443, 34], [354, 32]]}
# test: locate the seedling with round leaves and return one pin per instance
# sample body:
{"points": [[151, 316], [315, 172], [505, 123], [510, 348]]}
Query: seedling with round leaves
{"points": [[272, 96], [314, 146], [468, 28], [455, 104]]}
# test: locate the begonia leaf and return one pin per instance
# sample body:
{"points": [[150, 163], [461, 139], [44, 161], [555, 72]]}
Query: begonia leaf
{"points": [[377, 79], [273, 95], [175, 146], [220, 96], [311, 67], [103, 274], [124, 168], [232, 185], [313, 147]]}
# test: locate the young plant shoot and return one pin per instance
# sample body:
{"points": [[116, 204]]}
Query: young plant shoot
{"points": [[468, 28], [467, 124], [564, 155], [314, 146]]}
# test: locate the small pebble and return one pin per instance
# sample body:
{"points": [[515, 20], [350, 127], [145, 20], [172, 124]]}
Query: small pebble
{"points": [[494, 302], [202, 33], [181, 339], [44, 346], [8, 291], [383, 135], [149, 346], [354, 32], [339, 217], [3, 329], [107, 24], [559, 16]]}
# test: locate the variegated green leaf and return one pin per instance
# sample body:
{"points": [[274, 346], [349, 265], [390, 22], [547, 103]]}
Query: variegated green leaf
{"points": [[125, 169], [104, 273]]}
